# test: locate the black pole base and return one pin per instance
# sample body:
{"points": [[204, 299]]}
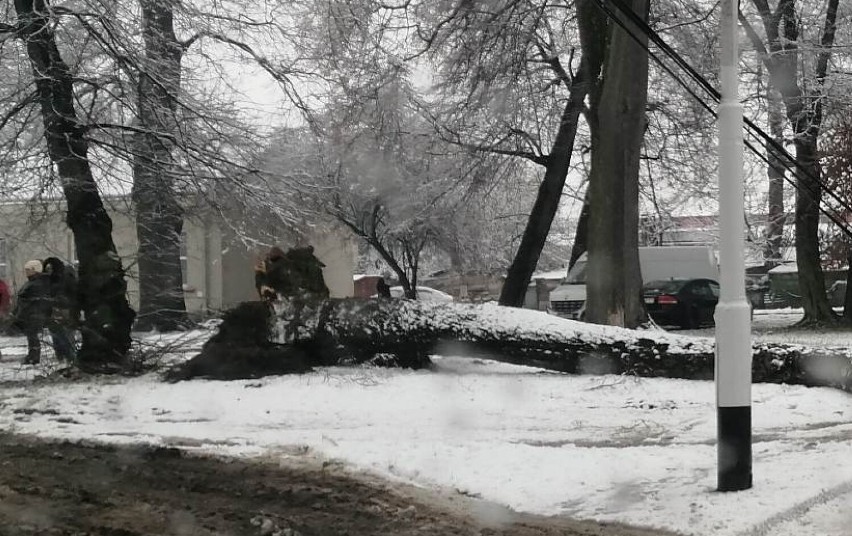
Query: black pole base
{"points": [[734, 449]]}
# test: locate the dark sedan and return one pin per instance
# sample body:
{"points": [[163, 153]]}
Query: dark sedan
{"points": [[688, 303]]}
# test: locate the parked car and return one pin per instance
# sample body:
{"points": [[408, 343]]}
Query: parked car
{"points": [[688, 303], [426, 294], [568, 300]]}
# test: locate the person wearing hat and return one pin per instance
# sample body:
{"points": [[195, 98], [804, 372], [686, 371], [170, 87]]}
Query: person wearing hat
{"points": [[62, 283], [32, 309]]}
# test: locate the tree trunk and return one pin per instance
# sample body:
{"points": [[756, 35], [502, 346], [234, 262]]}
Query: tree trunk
{"points": [[546, 204], [804, 112], [159, 217], [614, 281], [406, 333], [811, 278], [775, 173], [592, 36], [103, 289]]}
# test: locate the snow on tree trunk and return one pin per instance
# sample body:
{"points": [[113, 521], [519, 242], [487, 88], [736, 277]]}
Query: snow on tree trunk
{"points": [[253, 341]]}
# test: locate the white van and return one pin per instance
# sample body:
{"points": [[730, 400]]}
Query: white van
{"points": [[658, 262]]}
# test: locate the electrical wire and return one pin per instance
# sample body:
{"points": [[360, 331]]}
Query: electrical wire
{"points": [[810, 187]]}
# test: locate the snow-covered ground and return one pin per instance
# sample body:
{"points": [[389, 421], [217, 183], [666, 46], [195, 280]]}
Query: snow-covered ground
{"points": [[639, 451]]}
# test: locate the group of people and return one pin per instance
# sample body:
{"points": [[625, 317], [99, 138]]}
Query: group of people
{"points": [[48, 299], [296, 273]]}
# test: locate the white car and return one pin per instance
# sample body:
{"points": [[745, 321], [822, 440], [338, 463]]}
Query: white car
{"points": [[426, 294]]}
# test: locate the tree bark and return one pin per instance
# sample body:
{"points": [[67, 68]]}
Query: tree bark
{"points": [[614, 281], [406, 333], [159, 216], [592, 31], [775, 173], [103, 289], [811, 278]]}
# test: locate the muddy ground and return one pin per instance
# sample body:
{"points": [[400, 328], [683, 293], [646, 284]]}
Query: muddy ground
{"points": [[62, 488]]}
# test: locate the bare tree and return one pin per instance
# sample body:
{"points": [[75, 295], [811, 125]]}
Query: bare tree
{"points": [[108, 316], [512, 84], [781, 51]]}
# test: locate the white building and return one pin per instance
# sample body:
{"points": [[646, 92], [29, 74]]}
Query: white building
{"points": [[217, 264]]}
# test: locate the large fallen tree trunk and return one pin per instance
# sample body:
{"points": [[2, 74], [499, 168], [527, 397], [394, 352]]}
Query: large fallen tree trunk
{"points": [[254, 341]]}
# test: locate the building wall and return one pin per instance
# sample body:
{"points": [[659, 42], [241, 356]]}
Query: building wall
{"points": [[338, 251], [219, 269]]}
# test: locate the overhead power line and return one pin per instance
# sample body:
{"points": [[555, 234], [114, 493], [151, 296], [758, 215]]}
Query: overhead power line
{"points": [[778, 150]]}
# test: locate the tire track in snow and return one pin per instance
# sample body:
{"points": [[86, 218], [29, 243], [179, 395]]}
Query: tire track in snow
{"points": [[797, 511]]}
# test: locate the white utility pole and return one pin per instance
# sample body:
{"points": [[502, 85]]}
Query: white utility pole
{"points": [[733, 314]]}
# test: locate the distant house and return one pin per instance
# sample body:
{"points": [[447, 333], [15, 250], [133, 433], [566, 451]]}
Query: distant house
{"points": [[466, 287], [538, 291], [702, 230], [217, 263]]}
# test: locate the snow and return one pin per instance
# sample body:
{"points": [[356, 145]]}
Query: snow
{"points": [[552, 274], [611, 448], [787, 268]]}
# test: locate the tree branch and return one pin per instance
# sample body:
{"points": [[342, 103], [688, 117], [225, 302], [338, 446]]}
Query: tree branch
{"points": [[6, 28], [189, 41], [275, 72], [17, 108], [770, 20], [753, 36], [827, 41]]}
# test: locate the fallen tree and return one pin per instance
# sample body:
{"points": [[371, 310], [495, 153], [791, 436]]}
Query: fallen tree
{"points": [[293, 335]]}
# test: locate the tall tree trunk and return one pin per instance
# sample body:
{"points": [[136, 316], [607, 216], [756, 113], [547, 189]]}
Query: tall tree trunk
{"points": [[775, 173], [592, 36], [614, 280], [103, 289], [159, 217], [811, 278], [780, 54]]}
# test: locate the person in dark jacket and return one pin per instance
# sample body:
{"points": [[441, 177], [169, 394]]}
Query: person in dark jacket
{"points": [[32, 309], [63, 288], [382, 288], [273, 266], [294, 274], [65, 314], [305, 271]]}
